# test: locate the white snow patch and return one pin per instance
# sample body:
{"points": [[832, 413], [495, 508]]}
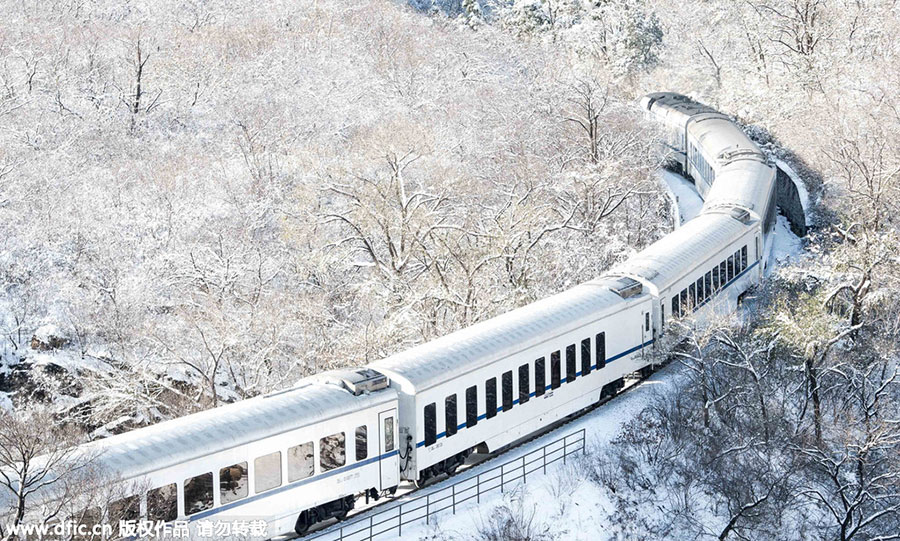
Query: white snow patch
{"points": [[71, 361], [684, 194], [5, 402], [785, 244], [46, 332]]}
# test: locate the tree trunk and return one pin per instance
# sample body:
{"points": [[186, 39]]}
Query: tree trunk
{"points": [[816, 399]]}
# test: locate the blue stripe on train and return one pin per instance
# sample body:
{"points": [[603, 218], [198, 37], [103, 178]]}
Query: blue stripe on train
{"points": [[548, 387], [611, 359]]}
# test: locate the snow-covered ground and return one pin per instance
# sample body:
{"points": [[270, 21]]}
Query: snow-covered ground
{"points": [[683, 194]]}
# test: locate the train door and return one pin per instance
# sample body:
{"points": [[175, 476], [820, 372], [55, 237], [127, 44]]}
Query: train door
{"points": [[387, 445], [662, 323], [645, 324], [759, 271]]}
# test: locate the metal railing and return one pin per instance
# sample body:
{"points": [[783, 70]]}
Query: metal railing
{"points": [[423, 507]]}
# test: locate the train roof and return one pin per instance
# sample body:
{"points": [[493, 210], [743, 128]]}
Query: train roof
{"points": [[744, 183], [675, 110], [429, 364], [675, 102], [669, 259], [311, 401], [721, 139]]}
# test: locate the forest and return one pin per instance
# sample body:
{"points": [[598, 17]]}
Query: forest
{"points": [[205, 201]]}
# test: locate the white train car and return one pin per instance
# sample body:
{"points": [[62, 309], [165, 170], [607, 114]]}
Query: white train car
{"points": [[289, 459], [749, 184], [674, 111], [708, 262], [489, 385]]}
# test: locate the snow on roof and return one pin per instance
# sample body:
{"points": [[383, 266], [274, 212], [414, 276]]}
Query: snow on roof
{"points": [[740, 184], [668, 260], [434, 362], [139, 452], [718, 135]]}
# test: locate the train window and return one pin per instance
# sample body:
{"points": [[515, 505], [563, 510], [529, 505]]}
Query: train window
{"points": [[715, 278], [675, 311], [585, 356], [198, 493], [540, 376], [601, 350], [524, 387], [388, 434], [662, 315], [555, 370], [707, 281], [471, 406], [162, 503], [450, 415], [692, 296], [647, 321], [744, 257], [331, 452], [362, 442], [700, 296], [233, 483], [490, 397], [737, 263], [430, 424], [267, 468], [571, 367], [730, 268], [125, 509], [685, 308], [507, 382], [723, 274], [301, 461]]}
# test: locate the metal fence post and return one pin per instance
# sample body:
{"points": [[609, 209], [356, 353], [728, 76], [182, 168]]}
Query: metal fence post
{"points": [[524, 475], [583, 442], [400, 519], [371, 520], [565, 450], [453, 486], [427, 508], [478, 488], [501, 478], [544, 448], [342, 533]]}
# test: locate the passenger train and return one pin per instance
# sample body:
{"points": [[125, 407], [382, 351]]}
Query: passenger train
{"points": [[303, 455]]}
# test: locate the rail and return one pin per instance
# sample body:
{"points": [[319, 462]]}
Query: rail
{"points": [[423, 507]]}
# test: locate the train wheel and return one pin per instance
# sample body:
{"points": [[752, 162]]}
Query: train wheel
{"points": [[424, 477], [303, 523], [346, 506]]}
